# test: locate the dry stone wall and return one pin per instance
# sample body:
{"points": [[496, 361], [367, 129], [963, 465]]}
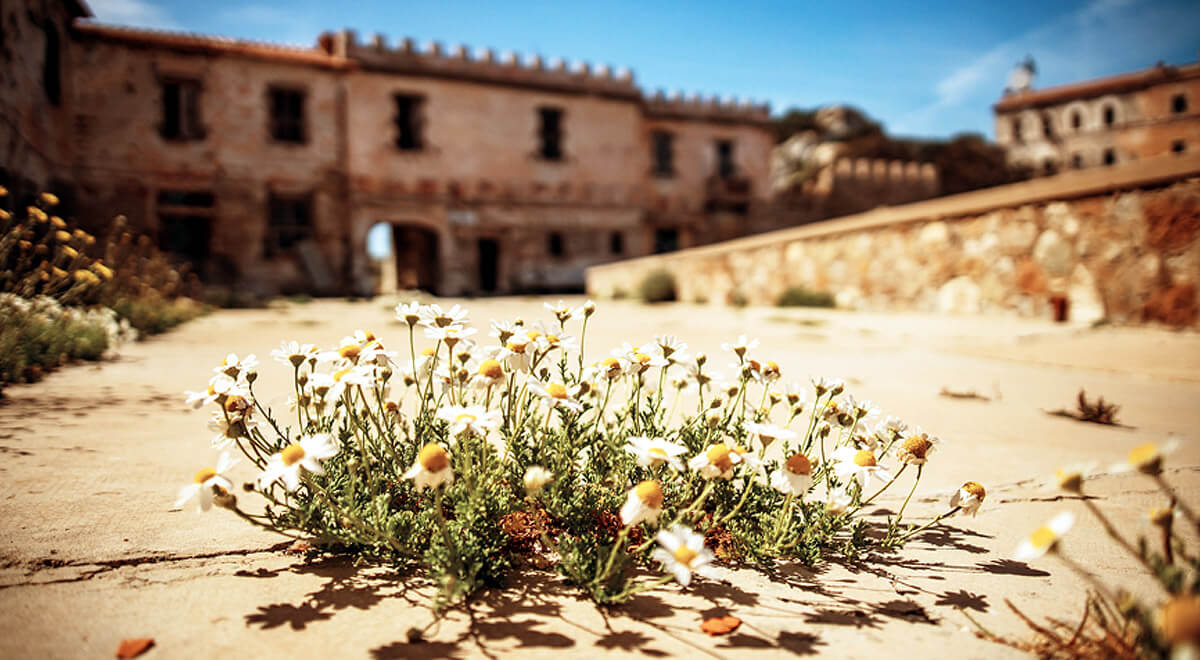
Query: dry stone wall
{"points": [[1121, 245]]}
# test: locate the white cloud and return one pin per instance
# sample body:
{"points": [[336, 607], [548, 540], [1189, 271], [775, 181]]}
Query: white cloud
{"points": [[137, 13]]}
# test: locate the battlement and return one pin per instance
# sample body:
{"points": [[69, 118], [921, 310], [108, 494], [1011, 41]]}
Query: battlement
{"points": [[463, 63], [694, 106]]}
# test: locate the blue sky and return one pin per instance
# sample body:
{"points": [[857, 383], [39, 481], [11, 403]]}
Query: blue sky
{"points": [[928, 69]]}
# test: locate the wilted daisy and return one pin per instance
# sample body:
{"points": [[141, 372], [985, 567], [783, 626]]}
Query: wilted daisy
{"points": [[207, 483], [682, 552], [859, 464], [644, 503], [307, 453], [1148, 458], [740, 346], [916, 448], [1045, 538], [769, 433], [536, 478], [431, 469], [968, 498], [557, 395], [652, 452], [795, 477], [716, 461], [475, 420]]}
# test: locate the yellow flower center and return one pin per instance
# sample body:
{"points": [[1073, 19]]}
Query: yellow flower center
{"points": [[340, 374], [553, 339], [236, 403], [491, 369], [1144, 455], [465, 418], [799, 464], [975, 488], [557, 390], [612, 364], [369, 335], [658, 452], [533, 335], [516, 347], [642, 358], [427, 352], [917, 445], [864, 458], [292, 454], [433, 458], [350, 351], [1043, 537], [204, 475], [650, 493], [685, 555], [772, 367], [718, 456]]}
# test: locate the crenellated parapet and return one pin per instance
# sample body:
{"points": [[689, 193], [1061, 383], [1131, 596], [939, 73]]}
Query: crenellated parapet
{"points": [[463, 63], [696, 107], [879, 173]]}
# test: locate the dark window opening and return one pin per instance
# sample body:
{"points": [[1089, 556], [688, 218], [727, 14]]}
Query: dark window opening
{"points": [[725, 166], [289, 222], [554, 245], [616, 243], [1047, 127], [52, 65], [408, 122], [1077, 161], [550, 133], [198, 198], [1076, 120], [1050, 167], [666, 240], [489, 264], [664, 156], [185, 237], [1110, 156], [1016, 130], [1179, 104], [287, 115], [1178, 147], [1110, 116], [181, 110]]}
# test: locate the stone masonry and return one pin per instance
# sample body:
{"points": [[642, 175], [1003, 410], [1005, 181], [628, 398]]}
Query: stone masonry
{"points": [[1119, 244]]}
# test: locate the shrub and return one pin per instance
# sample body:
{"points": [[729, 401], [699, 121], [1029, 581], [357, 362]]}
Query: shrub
{"points": [[657, 286], [40, 334], [799, 296]]}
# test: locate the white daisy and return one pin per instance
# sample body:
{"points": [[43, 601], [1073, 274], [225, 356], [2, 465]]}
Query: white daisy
{"points": [[409, 313], [644, 503], [232, 366], [219, 386], [516, 353], [1045, 538], [652, 452], [1148, 458], [536, 478], [795, 477], [475, 420], [207, 483], [859, 464], [557, 395], [431, 469], [669, 345], [489, 373], [769, 433], [227, 429], [432, 316], [716, 461], [450, 334], [823, 386], [307, 453], [683, 553], [503, 330], [740, 346], [563, 312], [1071, 477], [916, 448], [968, 498], [290, 352]]}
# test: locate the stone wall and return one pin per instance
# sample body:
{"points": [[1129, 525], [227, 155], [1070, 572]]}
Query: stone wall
{"points": [[1120, 244]]}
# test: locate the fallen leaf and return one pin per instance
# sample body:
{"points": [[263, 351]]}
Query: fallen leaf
{"points": [[135, 646], [720, 625]]}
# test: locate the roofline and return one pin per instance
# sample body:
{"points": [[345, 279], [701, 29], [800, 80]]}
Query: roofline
{"points": [[1123, 82]]}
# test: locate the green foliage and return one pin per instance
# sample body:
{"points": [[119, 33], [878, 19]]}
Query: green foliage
{"points": [[799, 296], [39, 335], [657, 286]]}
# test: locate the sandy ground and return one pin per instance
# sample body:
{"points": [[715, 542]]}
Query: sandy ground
{"points": [[92, 456]]}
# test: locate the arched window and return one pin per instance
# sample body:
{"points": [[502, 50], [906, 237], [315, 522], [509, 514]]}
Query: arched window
{"points": [[1110, 116], [1076, 120], [1016, 129]]}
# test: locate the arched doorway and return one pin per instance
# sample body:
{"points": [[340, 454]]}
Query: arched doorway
{"points": [[403, 256]]}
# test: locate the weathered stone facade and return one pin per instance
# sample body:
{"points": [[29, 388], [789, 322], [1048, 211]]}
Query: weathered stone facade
{"points": [[1121, 244], [1104, 121], [267, 165]]}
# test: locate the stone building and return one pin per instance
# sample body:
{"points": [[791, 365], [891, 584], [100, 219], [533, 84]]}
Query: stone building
{"points": [[1104, 121], [267, 166]]}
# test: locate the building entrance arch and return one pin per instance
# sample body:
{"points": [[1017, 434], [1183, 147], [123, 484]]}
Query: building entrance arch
{"points": [[406, 256]]}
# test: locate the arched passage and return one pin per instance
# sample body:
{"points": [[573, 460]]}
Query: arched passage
{"points": [[404, 256]]}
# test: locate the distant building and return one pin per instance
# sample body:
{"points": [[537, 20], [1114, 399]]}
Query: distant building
{"points": [[1101, 122], [267, 165]]}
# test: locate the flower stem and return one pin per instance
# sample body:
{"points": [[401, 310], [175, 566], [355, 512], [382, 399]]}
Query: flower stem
{"points": [[900, 514]]}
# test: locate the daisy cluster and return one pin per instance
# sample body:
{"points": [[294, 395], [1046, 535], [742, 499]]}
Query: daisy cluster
{"points": [[450, 447]]}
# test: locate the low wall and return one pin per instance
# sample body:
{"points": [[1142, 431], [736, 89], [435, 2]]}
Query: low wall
{"points": [[1119, 243]]}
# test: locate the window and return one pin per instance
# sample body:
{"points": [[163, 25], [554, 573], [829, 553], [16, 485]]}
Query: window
{"points": [[1110, 156], [181, 110], [1076, 120], [616, 243], [1110, 116], [287, 115], [550, 133], [666, 240], [185, 224], [1016, 129], [725, 166], [289, 222], [1179, 104], [408, 122], [1047, 127], [1050, 167], [1178, 147], [664, 157], [1077, 162], [554, 245], [52, 65]]}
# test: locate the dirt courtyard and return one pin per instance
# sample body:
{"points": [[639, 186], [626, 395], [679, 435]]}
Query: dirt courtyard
{"points": [[92, 457]]}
